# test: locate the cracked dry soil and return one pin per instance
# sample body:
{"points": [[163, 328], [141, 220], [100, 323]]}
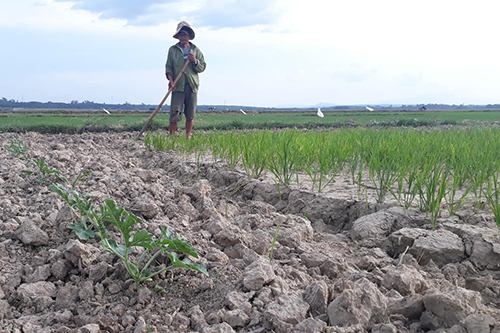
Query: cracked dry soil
{"points": [[339, 265]]}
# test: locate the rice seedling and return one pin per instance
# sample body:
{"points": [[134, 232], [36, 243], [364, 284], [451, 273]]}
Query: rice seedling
{"points": [[283, 164], [493, 197], [456, 183], [406, 189], [410, 164], [382, 162], [255, 153], [159, 141]]}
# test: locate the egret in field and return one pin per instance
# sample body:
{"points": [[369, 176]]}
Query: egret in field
{"points": [[369, 108], [242, 111], [320, 114], [103, 109]]}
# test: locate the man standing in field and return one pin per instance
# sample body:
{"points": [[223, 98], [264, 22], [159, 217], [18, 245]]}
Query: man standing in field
{"points": [[185, 93]]}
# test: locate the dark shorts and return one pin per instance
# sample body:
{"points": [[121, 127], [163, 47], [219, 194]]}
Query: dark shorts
{"points": [[183, 102]]}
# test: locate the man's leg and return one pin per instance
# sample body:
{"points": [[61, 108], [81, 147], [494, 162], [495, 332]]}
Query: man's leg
{"points": [[176, 106], [191, 101], [189, 128], [172, 127]]}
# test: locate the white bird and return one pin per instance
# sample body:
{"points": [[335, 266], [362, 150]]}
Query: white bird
{"points": [[369, 108], [103, 109], [242, 111], [320, 114]]}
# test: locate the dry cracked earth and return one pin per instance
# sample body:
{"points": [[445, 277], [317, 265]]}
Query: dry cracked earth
{"points": [[339, 264]]}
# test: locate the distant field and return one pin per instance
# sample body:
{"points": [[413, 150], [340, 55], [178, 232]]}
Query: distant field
{"points": [[68, 122]]}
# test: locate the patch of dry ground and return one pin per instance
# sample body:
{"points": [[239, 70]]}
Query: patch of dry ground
{"points": [[340, 264]]}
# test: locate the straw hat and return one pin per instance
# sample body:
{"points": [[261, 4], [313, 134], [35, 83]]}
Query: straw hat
{"points": [[183, 25]]}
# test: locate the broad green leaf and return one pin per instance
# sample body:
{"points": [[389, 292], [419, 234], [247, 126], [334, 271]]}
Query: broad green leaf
{"points": [[166, 242], [194, 266], [119, 248], [141, 238], [61, 191], [81, 232]]}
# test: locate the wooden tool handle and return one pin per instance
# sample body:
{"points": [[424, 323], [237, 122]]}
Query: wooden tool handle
{"points": [[163, 100]]}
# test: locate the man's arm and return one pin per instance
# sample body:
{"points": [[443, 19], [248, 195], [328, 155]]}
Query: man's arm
{"points": [[169, 69], [200, 64]]}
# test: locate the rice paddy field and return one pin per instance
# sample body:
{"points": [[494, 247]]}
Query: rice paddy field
{"points": [[427, 169], [72, 122]]}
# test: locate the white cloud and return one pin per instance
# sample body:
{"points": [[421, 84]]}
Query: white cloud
{"points": [[283, 52]]}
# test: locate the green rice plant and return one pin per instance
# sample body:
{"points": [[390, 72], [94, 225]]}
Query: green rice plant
{"points": [[406, 189], [159, 141], [16, 148], [139, 269], [382, 163], [457, 182], [479, 173], [493, 197], [44, 172], [82, 211], [331, 160], [283, 162], [431, 187], [254, 156], [311, 169], [436, 200], [225, 147]]}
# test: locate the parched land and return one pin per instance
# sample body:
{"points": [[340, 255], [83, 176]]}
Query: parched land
{"points": [[278, 261]]}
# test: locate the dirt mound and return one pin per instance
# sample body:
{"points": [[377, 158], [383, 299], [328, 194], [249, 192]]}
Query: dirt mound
{"points": [[338, 265]]}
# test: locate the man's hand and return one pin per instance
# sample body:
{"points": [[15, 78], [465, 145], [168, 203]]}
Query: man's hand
{"points": [[171, 84], [192, 57]]}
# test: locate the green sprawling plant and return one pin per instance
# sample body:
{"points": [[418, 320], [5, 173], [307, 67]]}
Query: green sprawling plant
{"points": [[44, 172], [82, 210], [16, 148], [139, 263]]}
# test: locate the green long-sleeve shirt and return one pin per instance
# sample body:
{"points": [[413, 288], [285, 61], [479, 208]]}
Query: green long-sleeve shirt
{"points": [[175, 62]]}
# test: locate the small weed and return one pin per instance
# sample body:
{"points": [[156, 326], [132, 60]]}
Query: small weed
{"points": [[16, 148], [274, 243], [161, 290], [82, 211], [44, 172]]}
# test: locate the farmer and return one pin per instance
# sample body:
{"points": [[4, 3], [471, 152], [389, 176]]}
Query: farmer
{"points": [[185, 92]]}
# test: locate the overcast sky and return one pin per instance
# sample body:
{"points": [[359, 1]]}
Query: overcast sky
{"points": [[258, 52]]}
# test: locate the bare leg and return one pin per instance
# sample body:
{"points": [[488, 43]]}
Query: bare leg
{"points": [[189, 128], [172, 128]]}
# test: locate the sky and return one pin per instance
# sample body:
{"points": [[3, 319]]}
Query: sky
{"points": [[280, 53]]}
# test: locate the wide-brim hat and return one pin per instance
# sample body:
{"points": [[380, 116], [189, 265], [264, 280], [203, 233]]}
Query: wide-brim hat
{"points": [[183, 25]]}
